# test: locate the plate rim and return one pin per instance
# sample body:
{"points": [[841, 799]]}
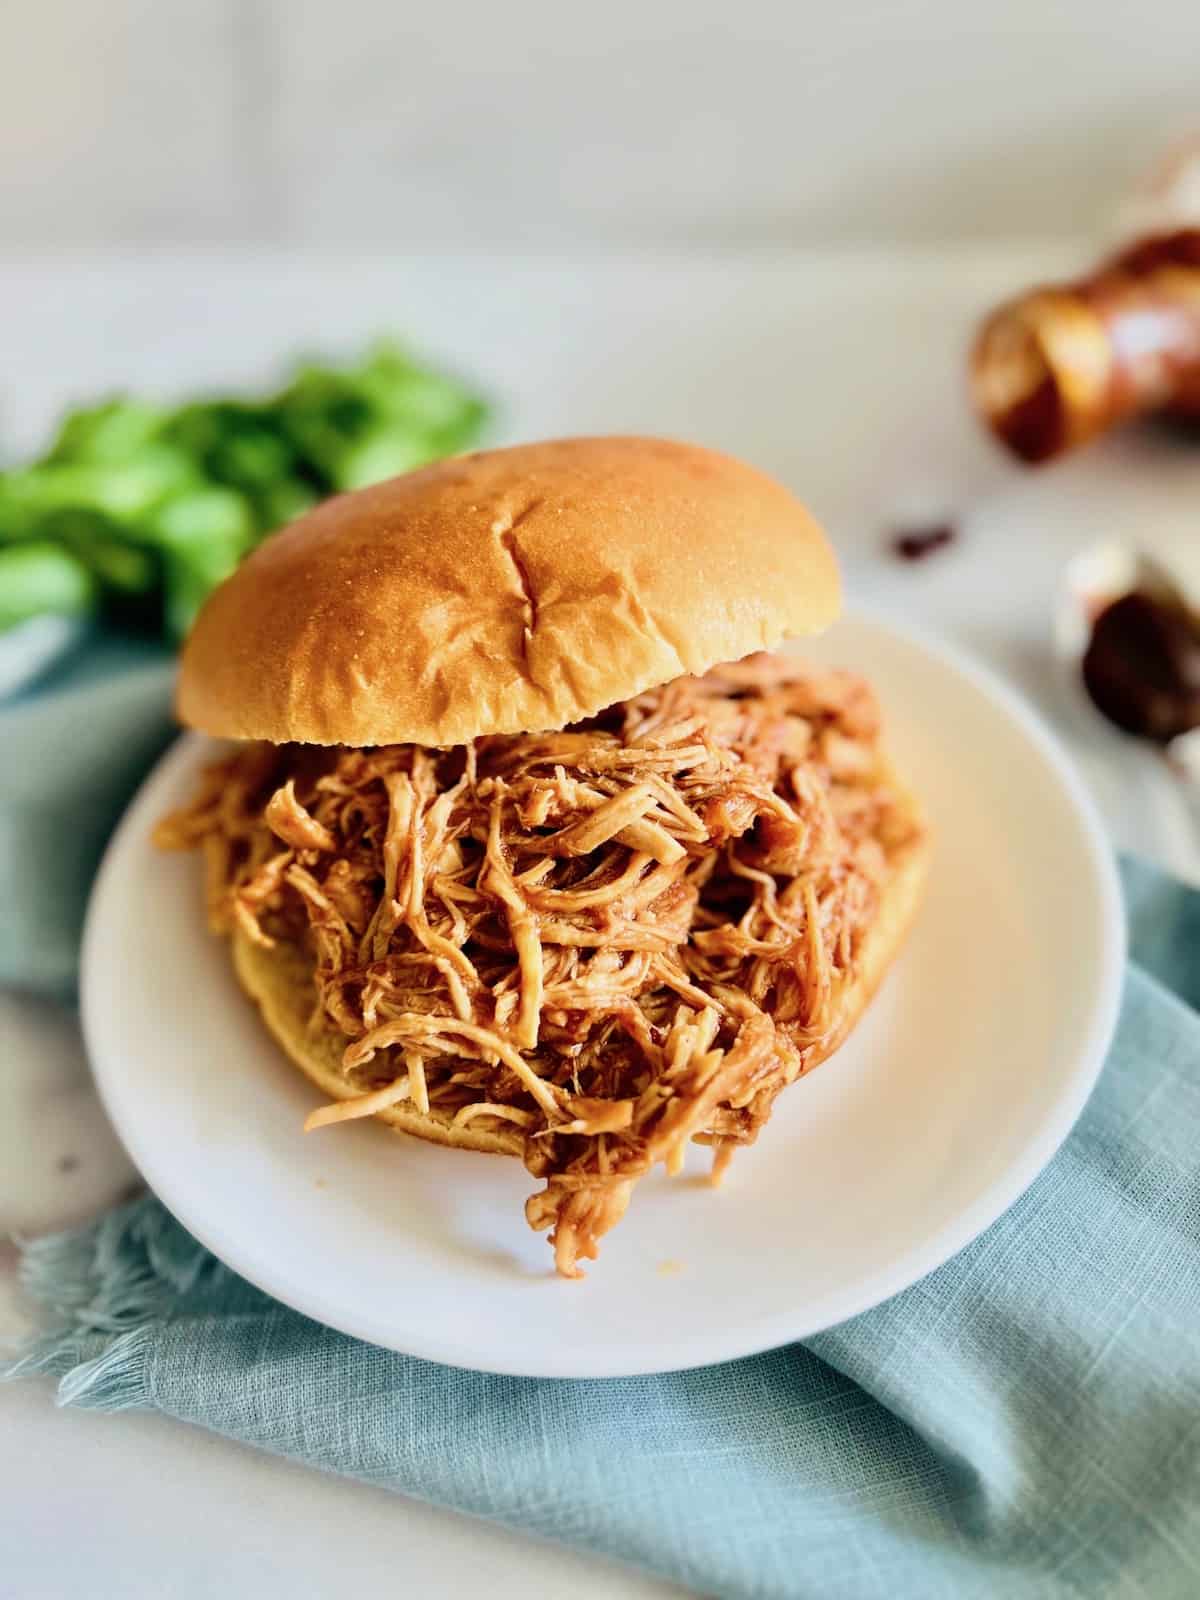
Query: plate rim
{"points": [[770, 1331]]}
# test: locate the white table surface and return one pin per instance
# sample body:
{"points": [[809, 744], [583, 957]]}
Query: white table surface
{"points": [[843, 374]]}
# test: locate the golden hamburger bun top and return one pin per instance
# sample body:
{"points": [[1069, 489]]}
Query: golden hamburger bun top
{"points": [[504, 592]]}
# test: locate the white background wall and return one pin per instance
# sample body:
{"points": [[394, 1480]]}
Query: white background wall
{"points": [[544, 122]]}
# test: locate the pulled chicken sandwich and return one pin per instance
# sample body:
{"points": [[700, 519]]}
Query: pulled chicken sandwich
{"points": [[528, 844]]}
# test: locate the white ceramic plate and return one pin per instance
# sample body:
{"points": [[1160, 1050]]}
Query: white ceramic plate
{"points": [[968, 1071]]}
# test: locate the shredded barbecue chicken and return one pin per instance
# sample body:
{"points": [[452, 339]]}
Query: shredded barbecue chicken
{"points": [[614, 939]]}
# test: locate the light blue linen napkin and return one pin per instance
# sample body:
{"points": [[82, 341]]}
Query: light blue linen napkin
{"points": [[1024, 1422], [72, 750]]}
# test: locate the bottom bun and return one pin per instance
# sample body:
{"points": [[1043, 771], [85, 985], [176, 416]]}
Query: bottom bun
{"points": [[279, 980], [881, 943]]}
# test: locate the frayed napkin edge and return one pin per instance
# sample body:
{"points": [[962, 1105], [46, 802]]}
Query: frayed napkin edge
{"points": [[117, 1276]]}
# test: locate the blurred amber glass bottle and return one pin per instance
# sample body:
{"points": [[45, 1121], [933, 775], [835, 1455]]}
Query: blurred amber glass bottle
{"points": [[1059, 365]]}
